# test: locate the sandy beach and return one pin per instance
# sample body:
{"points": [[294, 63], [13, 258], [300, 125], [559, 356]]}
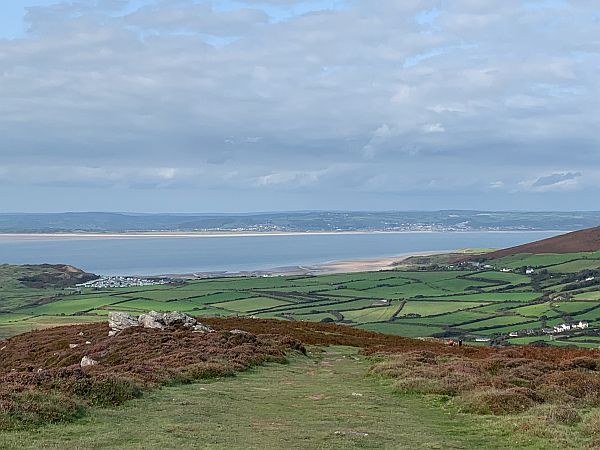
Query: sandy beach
{"points": [[190, 234], [328, 268], [214, 234]]}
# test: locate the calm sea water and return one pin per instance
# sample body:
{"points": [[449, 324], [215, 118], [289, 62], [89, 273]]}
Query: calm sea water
{"points": [[152, 256]]}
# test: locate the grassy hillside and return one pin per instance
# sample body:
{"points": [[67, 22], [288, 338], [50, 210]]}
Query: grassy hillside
{"points": [[587, 240], [393, 393], [334, 407], [429, 297]]}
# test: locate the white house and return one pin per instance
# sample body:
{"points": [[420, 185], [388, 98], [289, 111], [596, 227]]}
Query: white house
{"points": [[581, 325], [562, 328]]}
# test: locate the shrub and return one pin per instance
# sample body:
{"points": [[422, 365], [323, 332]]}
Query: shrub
{"points": [[575, 385], [591, 424], [208, 370], [558, 414], [106, 391], [419, 385], [496, 401], [34, 408], [581, 362]]}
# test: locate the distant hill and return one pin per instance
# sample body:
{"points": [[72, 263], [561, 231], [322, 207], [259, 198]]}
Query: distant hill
{"points": [[43, 276], [299, 221], [587, 240]]}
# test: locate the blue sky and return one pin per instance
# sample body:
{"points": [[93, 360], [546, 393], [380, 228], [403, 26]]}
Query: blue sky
{"points": [[247, 105]]}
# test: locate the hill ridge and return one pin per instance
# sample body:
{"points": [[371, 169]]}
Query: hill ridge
{"points": [[586, 240]]}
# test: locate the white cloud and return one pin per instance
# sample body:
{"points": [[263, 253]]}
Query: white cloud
{"points": [[433, 128]]}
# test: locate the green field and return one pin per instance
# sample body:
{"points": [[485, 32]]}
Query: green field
{"points": [[411, 300]]}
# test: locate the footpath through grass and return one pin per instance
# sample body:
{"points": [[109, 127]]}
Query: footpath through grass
{"points": [[322, 401]]}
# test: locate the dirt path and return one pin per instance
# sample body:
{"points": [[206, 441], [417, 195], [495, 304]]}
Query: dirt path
{"points": [[324, 401]]}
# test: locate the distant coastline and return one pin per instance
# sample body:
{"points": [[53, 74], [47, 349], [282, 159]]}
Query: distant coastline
{"points": [[326, 268], [213, 234]]}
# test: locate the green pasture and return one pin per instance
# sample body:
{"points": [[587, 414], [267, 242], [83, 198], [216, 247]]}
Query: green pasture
{"points": [[484, 303]]}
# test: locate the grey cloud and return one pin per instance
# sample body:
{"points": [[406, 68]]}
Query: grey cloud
{"points": [[556, 178], [320, 102], [196, 17]]}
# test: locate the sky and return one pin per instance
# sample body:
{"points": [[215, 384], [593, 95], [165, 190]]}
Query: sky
{"points": [[280, 105]]}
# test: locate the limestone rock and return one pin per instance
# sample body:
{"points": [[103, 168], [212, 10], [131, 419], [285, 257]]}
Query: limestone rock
{"points": [[176, 318], [87, 361], [152, 320], [236, 331], [118, 321], [201, 328], [73, 345]]}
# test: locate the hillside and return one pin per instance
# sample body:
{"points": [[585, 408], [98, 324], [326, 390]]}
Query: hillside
{"points": [[450, 220], [348, 388], [587, 240]]}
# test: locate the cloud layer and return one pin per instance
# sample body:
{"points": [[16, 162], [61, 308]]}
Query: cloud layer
{"points": [[283, 104]]}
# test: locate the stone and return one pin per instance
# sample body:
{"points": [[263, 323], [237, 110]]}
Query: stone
{"points": [[118, 321], [73, 345], [201, 328], [236, 331], [87, 361], [152, 320], [176, 318]]}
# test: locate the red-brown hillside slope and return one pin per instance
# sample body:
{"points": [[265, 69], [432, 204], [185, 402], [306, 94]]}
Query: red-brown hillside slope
{"points": [[587, 240]]}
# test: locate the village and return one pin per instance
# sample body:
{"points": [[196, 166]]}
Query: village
{"points": [[124, 282]]}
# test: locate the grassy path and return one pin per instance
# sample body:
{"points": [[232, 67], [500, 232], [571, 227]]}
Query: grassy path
{"points": [[319, 402]]}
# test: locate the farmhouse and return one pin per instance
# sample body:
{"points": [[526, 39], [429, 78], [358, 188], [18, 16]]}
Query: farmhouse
{"points": [[568, 327]]}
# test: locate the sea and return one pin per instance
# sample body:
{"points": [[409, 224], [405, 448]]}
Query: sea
{"points": [[146, 256]]}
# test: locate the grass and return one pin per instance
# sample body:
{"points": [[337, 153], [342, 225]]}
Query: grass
{"points": [[429, 308], [251, 304], [402, 329], [377, 314], [334, 407]]}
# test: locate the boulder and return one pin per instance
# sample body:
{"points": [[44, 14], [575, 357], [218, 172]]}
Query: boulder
{"points": [[236, 331], [176, 318], [201, 328], [87, 361], [118, 321], [152, 320]]}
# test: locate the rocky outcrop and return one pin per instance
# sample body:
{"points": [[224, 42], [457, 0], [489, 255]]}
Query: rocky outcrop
{"points": [[118, 321], [152, 320]]}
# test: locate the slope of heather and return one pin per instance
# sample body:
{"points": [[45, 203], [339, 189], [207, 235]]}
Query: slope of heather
{"points": [[41, 382], [587, 240]]}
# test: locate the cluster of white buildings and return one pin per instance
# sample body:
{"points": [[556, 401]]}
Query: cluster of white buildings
{"points": [[570, 327], [121, 281], [562, 328]]}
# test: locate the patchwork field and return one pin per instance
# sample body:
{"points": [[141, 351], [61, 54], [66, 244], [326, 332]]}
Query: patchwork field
{"points": [[520, 293]]}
